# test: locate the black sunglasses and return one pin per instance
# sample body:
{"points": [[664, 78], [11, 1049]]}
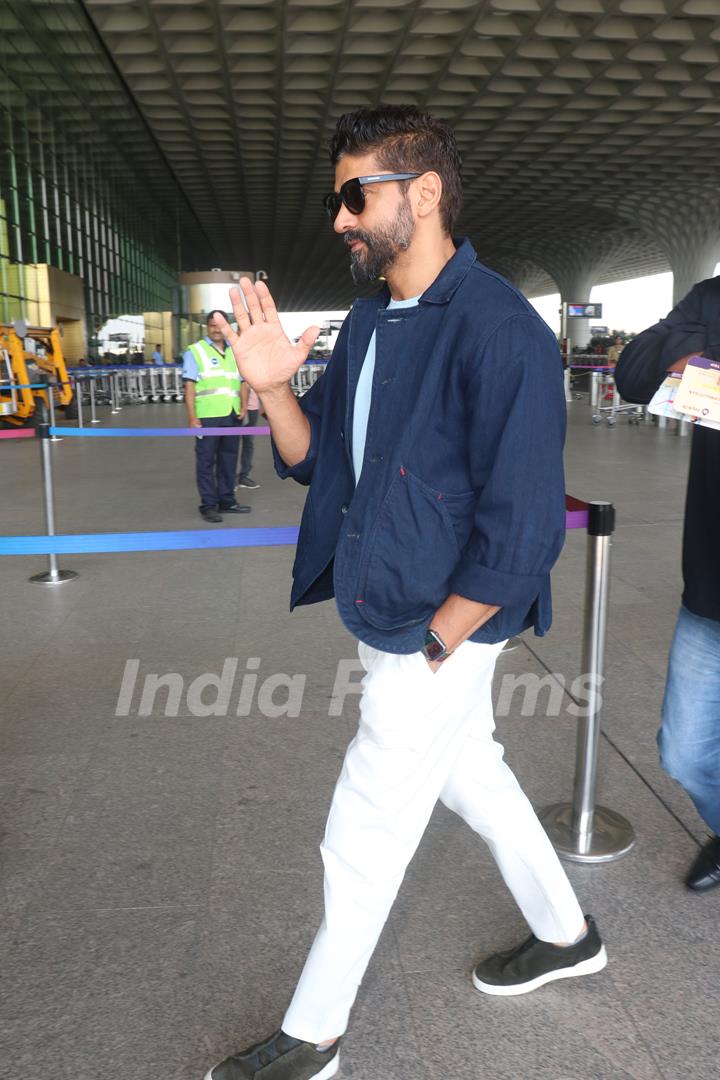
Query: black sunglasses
{"points": [[352, 195]]}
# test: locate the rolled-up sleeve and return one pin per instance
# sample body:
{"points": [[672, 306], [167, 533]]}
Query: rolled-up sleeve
{"points": [[517, 418], [311, 404]]}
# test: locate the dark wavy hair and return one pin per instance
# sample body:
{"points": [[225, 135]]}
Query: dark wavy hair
{"points": [[404, 139], [216, 311]]}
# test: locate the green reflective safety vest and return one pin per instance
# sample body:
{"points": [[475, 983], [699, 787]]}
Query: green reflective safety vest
{"points": [[217, 390]]}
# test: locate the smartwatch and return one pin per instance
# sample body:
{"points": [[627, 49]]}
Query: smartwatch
{"points": [[434, 649]]}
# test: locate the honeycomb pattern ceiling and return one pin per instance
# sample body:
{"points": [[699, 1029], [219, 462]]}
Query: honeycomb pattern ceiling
{"points": [[589, 129]]}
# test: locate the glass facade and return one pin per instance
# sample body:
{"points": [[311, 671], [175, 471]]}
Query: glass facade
{"points": [[84, 187]]}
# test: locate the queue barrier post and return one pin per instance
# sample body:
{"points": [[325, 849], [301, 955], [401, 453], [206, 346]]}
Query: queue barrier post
{"points": [[79, 396], [581, 831], [595, 379], [50, 391], [53, 575], [93, 417]]}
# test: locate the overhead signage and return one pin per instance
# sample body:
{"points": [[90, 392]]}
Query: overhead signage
{"points": [[584, 311]]}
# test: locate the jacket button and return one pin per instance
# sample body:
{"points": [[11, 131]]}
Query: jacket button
{"points": [[344, 508]]}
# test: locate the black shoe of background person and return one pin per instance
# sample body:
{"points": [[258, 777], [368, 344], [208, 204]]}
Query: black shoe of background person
{"points": [[209, 513], [244, 480], [705, 871], [235, 508], [280, 1057]]}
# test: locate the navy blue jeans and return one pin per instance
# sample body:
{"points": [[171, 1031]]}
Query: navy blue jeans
{"points": [[216, 459], [689, 738]]}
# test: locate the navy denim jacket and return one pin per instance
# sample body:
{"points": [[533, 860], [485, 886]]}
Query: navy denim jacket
{"points": [[462, 485]]}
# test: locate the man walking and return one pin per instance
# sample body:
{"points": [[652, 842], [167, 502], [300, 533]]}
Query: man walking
{"points": [[433, 451], [689, 736], [214, 397]]}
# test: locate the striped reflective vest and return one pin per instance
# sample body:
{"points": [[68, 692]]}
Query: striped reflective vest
{"points": [[217, 390]]}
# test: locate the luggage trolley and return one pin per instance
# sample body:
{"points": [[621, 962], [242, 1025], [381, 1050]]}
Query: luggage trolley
{"points": [[604, 389], [305, 377]]}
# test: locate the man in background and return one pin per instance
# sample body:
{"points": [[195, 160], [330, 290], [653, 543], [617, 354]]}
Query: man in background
{"points": [[689, 736], [613, 353], [247, 451], [157, 357], [214, 397]]}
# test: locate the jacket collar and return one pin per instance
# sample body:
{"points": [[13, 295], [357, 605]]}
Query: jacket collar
{"points": [[452, 274], [444, 285]]}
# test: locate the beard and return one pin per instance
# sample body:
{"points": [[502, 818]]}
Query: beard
{"points": [[382, 246]]}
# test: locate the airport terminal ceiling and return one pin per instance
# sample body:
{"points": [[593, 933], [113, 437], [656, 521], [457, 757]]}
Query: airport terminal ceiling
{"points": [[589, 129]]}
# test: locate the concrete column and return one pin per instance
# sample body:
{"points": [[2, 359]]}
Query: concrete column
{"points": [[576, 268], [575, 283], [692, 259], [528, 276], [576, 290], [686, 228]]}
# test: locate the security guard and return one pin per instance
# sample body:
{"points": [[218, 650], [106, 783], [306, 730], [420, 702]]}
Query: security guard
{"points": [[215, 396]]}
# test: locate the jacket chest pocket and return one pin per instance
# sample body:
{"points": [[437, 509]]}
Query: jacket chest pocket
{"points": [[415, 545]]}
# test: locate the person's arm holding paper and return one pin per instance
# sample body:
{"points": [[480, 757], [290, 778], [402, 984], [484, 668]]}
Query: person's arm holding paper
{"points": [[690, 328]]}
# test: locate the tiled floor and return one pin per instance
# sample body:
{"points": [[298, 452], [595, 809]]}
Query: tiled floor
{"points": [[160, 875]]}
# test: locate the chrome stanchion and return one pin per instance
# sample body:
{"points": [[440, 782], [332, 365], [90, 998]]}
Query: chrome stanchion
{"points": [[582, 831], [566, 379], [153, 387], [93, 417], [179, 394], [79, 393], [53, 575], [114, 393], [595, 379], [50, 391]]}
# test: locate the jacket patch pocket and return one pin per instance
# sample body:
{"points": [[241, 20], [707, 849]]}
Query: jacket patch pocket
{"points": [[416, 543]]}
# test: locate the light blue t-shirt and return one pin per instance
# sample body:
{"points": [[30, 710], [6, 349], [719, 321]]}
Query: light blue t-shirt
{"points": [[363, 395]]}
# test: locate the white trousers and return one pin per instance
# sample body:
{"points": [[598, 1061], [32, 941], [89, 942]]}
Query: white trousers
{"points": [[422, 736]]}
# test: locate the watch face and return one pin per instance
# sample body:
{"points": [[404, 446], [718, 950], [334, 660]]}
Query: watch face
{"points": [[434, 648]]}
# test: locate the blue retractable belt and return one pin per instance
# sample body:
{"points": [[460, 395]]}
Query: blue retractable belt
{"points": [[148, 541]]}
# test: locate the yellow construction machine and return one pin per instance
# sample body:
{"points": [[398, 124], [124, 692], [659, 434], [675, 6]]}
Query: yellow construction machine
{"points": [[28, 360]]}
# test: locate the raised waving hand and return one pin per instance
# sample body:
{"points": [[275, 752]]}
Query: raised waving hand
{"points": [[264, 354]]}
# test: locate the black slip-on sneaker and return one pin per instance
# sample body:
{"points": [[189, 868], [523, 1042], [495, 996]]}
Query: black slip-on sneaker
{"points": [[279, 1058], [210, 514], [705, 871], [536, 962]]}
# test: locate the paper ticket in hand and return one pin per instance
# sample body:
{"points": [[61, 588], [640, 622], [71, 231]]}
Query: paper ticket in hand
{"points": [[663, 403], [699, 392]]}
